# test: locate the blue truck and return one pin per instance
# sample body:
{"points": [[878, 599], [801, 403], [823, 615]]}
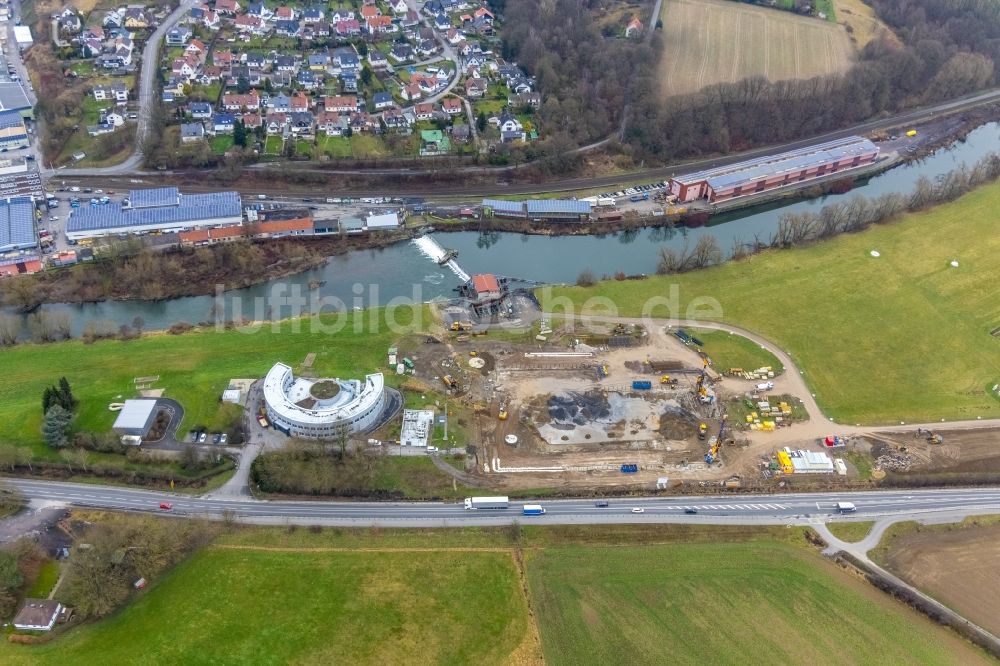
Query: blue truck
{"points": [[533, 510]]}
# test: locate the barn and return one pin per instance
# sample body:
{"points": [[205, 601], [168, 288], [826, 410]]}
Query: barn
{"points": [[772, 172]]}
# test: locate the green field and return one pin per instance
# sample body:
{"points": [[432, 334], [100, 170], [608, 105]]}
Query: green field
{"points": [[901, 337], [194, 368], [734, 351], [724, 603], [227, 606]]}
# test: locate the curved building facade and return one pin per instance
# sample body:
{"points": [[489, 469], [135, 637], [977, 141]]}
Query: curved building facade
{"points": [[320, 408]]}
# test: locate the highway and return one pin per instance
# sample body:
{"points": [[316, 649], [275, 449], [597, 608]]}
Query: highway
{"points": [[791, 508]]}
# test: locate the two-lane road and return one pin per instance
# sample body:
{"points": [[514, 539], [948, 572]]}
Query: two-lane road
{"points": [[801, 508]]}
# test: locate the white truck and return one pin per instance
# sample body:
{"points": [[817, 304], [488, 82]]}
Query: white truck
{"points": [[846, 507], [502, 502], [765, 386]]}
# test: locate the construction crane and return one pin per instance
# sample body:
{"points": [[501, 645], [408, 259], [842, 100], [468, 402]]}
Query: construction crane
{"points": [[715, 443]]}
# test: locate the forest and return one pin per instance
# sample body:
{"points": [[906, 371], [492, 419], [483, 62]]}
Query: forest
{"points": [[595, 86]]}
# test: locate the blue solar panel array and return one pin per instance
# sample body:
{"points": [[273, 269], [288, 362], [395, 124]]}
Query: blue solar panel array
{"points": [[501, 206], [548, 206], [10, 119], [192, 208], [17, 225], [157, 196]]}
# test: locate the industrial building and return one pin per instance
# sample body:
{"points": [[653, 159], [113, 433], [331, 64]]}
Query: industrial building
{"points": [[772, 172], [539, 210], [13, 134], [13, 98], [804, 462], [17, 225], [485, 293], [308, 408], [161, 209], [418, 424], [136, 418]]}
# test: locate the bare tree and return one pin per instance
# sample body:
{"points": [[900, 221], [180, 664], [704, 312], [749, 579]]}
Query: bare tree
{"points": [[10, 329]]}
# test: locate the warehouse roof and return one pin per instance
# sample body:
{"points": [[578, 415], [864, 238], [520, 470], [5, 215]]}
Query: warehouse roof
{"points": [[12, 97], [11, 119], [543, 206], [17, 224], [155, 196], [189, 208], [795, 160], [499, 205]]}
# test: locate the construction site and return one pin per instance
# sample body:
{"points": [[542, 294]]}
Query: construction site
{"points": [[615, 406]]}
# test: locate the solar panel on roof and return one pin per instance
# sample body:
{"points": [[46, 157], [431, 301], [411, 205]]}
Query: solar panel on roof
{"points": [[192, 207], [157, 196], [17, 225], [543, 206], [504, 206]]}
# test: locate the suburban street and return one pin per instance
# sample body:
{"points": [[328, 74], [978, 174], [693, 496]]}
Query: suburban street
{"points": [[798, 508]]}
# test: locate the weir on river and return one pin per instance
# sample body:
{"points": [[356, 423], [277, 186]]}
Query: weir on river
{"points": [[433, 250]]}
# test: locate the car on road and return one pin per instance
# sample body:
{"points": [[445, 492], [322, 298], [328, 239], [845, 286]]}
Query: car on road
{"points": [[166, 506], [600, 504], [74, 189], [638, 509], [690, 511]]}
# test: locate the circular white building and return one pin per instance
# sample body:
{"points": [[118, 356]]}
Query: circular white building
{"points": [[320, 408]]}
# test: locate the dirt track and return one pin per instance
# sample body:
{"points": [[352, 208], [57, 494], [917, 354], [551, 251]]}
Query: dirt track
{"points": [[958, 567]]}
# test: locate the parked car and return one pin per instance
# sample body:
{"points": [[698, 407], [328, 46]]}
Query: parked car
{"points": [[217, 439], [166, 506], [223, 439], [202, 436]]}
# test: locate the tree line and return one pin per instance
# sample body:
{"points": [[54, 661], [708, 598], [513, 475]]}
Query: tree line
{"points": [[946, 48]]}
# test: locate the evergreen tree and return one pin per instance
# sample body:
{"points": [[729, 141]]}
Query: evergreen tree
{"points": [[239, 134], [55, 427], [48, 398], [66, 399], [481, 122]]}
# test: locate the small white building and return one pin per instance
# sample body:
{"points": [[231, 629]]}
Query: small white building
{"points": [[136, 417], [22, 35], [38, 615], [418, 424], [376, 222]]}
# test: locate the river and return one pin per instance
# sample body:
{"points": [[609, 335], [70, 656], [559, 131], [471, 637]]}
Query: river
{"points": [[372, 277]]}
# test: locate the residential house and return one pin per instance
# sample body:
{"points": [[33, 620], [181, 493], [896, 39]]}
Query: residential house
{"points": [[452, 106], [318, 62], [136, 19], [210, 74], [308, 79], [192, 132], [341, 103], [442, 22], [212, 20], [382, 100], [99, 129], [532, 99], [227, 7], [339, 15], [279, 103], [461, 133], [521, 86], [112, 118], [300, 102], [255, 60], [634, 28], [411, 20], [411, 92], [332, 124], [251, 121], [380, 25], [168, 96], [302, 122], [426, 47], [313, 15], [483, 12], [287, 28], [276, 123], [321, 29], [223, 123], [238, 102], [286, 63], [196, 47], [510, 127], [200, 110], [364, 122], [245, 23], [398, 6], [39, 615], [424, 111], [349, 82], [69, 21], [434, 142], [116, 91], [370, 11], [115, 19], [284, 13], [185, 68], [377, 59], [178, 36], [395, 119], [260, 10], [346, 59], [223, 59], [401, 53], [348, 28], [476, 87]]}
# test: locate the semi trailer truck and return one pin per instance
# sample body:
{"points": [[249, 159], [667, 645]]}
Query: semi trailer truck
{"points": [[487, 502]]}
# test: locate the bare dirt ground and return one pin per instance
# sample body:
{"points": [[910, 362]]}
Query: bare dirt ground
{"points": [[958, 567], [860, 22], [960, 451], [714, 41]]}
